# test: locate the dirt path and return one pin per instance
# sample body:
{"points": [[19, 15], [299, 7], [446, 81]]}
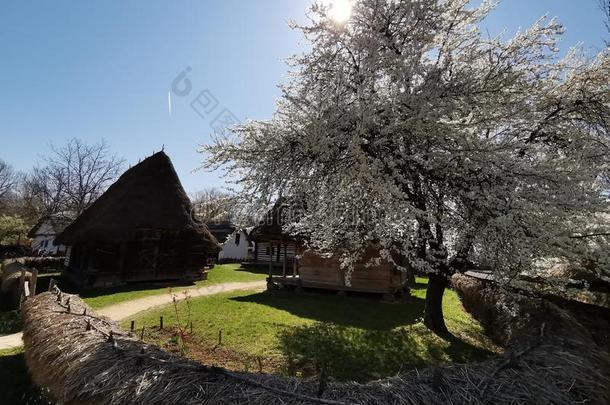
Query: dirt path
{"points": [[129, 308]]}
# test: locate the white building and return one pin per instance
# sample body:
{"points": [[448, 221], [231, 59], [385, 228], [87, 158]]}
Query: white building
{"points": [[236, 246], [44, 233], [235, 242]]}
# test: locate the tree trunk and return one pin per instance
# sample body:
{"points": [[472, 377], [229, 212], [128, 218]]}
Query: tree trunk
{"points": [[410, 277], [433, 312]]}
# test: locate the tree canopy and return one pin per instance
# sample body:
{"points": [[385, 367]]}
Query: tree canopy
{"points": [[409, 128]]}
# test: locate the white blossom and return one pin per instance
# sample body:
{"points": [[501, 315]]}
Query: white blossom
{"points": [[408, 128]]}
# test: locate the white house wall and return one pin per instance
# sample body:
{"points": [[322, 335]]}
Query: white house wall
{"points": [[47, 245], [232, 251], [44, 240]]}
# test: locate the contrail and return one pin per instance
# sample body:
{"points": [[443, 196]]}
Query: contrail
{"points": [[169, 103]]}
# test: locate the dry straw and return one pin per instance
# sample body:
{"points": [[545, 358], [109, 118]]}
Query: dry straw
{"points": [[84, 359]]}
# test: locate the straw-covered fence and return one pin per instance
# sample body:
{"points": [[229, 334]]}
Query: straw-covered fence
{"points": [[84, 359]]}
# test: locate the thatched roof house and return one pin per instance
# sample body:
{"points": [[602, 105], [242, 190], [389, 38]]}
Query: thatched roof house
{"points": [[141, 228], [221, 230]]}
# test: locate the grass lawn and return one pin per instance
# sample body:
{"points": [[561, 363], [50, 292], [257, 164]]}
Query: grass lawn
{"points": [[10, 320], [299, 334], [14, 376], [222, 273]]}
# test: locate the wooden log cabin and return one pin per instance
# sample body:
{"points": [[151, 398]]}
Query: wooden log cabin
{"points": [[273, 247], [292, 265], [316, 271], [141, 229]]}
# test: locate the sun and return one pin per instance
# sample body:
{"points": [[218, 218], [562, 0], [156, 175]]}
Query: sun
{"points": [[339, 10]]}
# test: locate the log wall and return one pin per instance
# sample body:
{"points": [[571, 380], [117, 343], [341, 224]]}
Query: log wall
{"points": [[262, 255], [317, 271]]}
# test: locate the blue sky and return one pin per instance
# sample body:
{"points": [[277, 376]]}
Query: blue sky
{"points": [[102, 69]]}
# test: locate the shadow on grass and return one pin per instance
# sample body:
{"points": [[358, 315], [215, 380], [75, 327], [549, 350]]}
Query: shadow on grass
{"points": [[346, 311], [10, 320], [360, 339], [463, 352], [420, 286], [260, 269], [363, 355], [17, 388]]}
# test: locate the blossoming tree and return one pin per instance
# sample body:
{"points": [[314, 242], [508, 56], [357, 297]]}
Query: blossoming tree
{"points": [[407, 128]]}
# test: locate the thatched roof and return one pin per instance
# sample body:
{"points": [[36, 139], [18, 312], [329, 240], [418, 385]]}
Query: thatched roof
{"points": [[84, 359], [147, 196], [221, 230]]}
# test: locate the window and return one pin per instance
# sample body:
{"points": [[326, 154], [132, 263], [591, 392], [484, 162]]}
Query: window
{"points": [[237, 238]]}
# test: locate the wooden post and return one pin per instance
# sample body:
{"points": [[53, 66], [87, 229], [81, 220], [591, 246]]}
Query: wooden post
{"points": [[34, 281], [156, 256], [21, 284], [270, 260], [26, 290], [142, 333], [122, 259], [52, 284], [161, 322], [285, 259], [322, 382], [220, 337], [133, 325]]}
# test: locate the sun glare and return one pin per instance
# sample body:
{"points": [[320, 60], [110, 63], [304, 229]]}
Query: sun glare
{"points": [[339, 10]]}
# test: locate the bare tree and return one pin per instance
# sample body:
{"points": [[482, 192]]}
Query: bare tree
{"points": [[74, 176], [213, 205], [8, 180], [43, 190]]}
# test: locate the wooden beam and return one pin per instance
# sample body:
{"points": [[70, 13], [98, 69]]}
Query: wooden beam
{"points": [[156, 255], [285, 259], [21, 291], [34, 282], [122, 259]]}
